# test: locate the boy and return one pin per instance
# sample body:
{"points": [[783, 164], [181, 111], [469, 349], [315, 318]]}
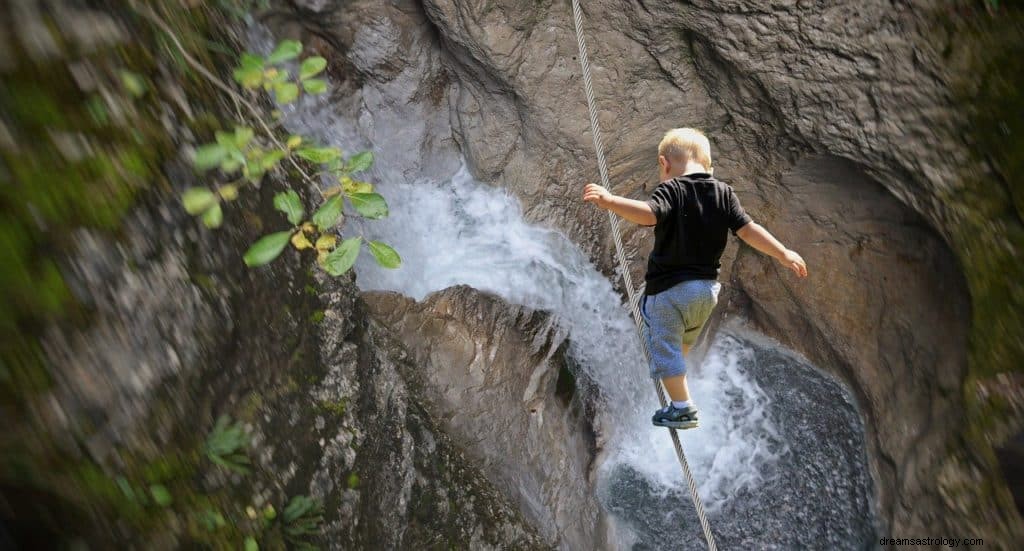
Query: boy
{"points": [[692, 213]]}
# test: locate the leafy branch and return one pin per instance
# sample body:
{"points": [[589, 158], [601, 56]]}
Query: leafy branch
{"points": [[245, 159]]}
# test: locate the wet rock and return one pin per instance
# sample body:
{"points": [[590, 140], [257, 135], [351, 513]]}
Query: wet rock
{"points": [[492, 373], [836, 126]]}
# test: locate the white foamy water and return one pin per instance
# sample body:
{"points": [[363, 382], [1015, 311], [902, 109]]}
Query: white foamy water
{"points": [[736, 442], [454, 230]]}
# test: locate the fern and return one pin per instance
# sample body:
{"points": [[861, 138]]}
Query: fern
{"points": [[226, 445], [301, 520]]}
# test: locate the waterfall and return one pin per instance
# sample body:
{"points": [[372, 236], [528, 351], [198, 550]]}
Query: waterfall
{"points": [[456, 230], [451, 229]]}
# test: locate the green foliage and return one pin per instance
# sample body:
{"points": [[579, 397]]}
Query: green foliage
{"points": [[286, 50], [213, 217], [226, 445], [336, 407], [254, 72], [385, 255], [211, 519], [289, 203], [301, 519], [266, 249], [328, 214], [360, 162], [319, 155], [370, 205], [198, 200], [341, 259], [312, 66], [160, 495], [286, 92], [314, 86], [133, 83], [241, 155]]}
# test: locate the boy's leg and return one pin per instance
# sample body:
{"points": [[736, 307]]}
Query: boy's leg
{"points": [[678, 390], [693, 302], [664, 328]]}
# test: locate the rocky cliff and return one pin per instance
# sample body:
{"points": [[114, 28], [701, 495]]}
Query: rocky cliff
{"points": [[853, 131], [501, 382], [110, 408], [841, 127]]}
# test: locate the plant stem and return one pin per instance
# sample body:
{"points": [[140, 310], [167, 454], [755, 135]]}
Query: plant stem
{"points": [[148, 13]]}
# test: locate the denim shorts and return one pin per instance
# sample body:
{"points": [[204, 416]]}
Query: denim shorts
{"points": [[674, 317]]}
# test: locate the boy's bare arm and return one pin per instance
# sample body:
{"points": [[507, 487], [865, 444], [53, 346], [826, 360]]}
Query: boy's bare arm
{"points": [[759, 238], [630, 209]]}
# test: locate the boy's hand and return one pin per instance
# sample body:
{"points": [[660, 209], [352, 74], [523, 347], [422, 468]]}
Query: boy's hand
{"points": [[593, 193], [795, 262]]}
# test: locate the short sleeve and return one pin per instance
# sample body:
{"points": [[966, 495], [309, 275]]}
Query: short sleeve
{"points": [[661, 201], [737, 216]]}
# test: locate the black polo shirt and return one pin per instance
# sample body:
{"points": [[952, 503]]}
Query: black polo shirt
{"points": [[694, 214]]}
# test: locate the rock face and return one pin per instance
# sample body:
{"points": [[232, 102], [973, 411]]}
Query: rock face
{"points": [[834, 123], [110, 447], [333, 402], [498, 378], [882, 279]]}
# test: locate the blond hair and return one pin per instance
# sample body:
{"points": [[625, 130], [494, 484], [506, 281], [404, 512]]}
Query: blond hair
{"points": [[686, 144]]}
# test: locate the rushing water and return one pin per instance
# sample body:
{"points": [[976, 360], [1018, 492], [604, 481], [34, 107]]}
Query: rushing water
{"points": [[757, 447]]}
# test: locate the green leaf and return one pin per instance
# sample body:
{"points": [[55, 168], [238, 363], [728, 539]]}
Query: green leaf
{"points": [[251, 545], [274, 76], [334, 165], [315, 85], [197, 200], [133, 83], [267, 248], [341, 259], [289, 203], [211, 519], [312, 66], [160, 495], [370, 205], [328, 214], [225, 139], [249, 72], [232, 163], [286, 49], [213, 217], [286, 92], [319, 155], [209, 156], [126, 488], [271, 159], [243, 134], [297, 506], [229, 192], [385, 255], [294, 141], [360, 162]]}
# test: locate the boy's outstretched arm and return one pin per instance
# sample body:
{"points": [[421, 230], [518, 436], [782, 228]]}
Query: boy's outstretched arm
{"points": [[759, 238], [630, 209]]}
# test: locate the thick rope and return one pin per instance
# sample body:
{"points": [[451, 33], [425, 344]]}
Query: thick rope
{"points": [[627, 278]]}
